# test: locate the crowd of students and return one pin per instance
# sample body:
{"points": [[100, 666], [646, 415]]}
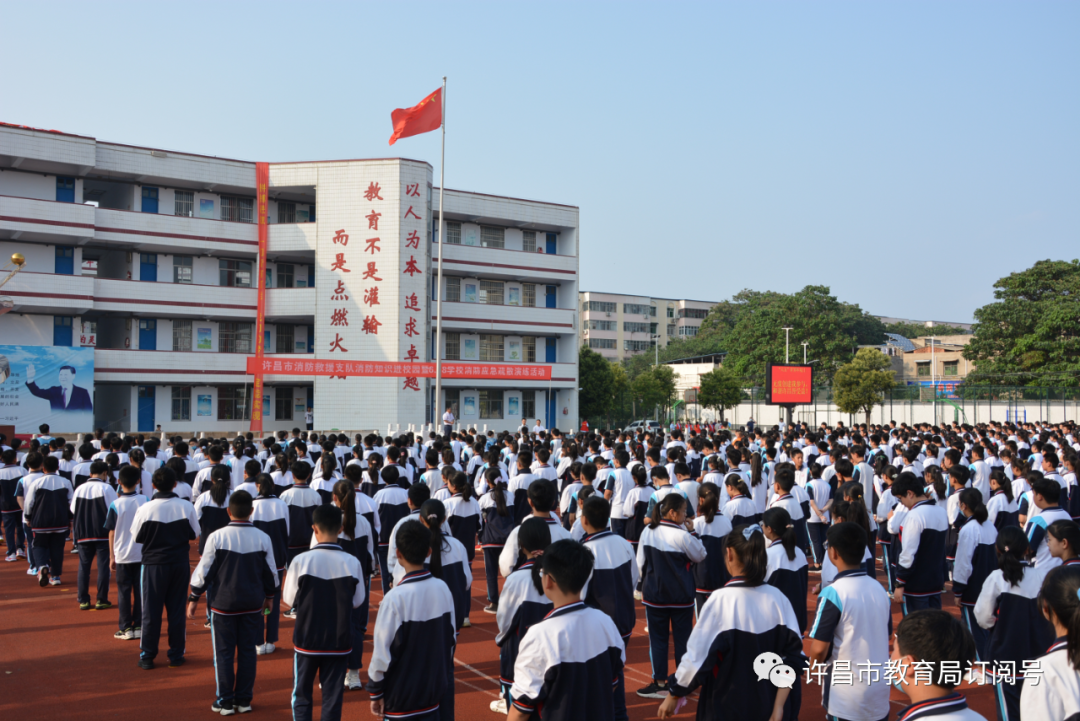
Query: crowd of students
{"points": [[715, 531]]}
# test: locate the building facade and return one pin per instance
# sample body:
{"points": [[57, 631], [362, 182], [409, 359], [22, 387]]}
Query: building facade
{"points": [[619, 326], [148, 261]]}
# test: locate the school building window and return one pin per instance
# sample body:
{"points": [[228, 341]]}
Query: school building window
{"points": [[670, 312], [491, 292], [453, 346], [528, 345], [181, 335], [238, 210], [600, 324], [637, 309], [528, 404], [286, 213], [453, 290], [604, 343], [528, 241], [286, 273], [234, 337], [285, 336], [528, 295], [491, 348], [635, 327], [636, 345], [234, 273], [951, 368], [181, 403], [491, 404], [182, 269], [491, 237], [599, 305], [671, 329], [184, 203], [453, 233], [283, 403], [232, 404], [692, 313], [688, 331], [922, 369]]}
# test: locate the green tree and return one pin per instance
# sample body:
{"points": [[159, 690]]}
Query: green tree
{"points": [[720, 390], [621, 413], [665, 376], [1030, 334], [596, 381], [860, 385], [915, 330]]}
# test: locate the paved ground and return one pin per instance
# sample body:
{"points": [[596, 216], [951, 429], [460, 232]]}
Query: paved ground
{"points": [[58, 661]]}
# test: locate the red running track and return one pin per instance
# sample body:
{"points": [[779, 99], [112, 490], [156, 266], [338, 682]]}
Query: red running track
{"points": [[59, 661]]}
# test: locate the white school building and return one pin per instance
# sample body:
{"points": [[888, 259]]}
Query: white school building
{"points": [[145, 262]]}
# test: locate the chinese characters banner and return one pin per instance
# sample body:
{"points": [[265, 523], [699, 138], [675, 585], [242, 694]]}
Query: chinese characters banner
{"points": [[269, 366], [414, 264], [262, 182]]}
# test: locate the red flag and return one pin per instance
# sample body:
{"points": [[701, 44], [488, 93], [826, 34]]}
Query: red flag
{"points": [[423, 117]]}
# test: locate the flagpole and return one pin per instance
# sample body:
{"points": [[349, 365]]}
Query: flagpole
{"points": [[439, 284]]}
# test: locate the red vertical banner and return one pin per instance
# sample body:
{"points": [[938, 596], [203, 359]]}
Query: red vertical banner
{"points": [[262, 183]]}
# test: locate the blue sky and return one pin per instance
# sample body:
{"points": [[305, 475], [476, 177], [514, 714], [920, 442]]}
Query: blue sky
{"points": [[905, 154]]}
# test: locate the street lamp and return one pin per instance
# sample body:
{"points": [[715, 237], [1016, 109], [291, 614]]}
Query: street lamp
{"points": [[804, 344], [656, 346], [787, 338]]}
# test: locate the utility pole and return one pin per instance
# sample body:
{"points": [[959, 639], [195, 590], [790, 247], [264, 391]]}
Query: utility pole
{"points": [[787, 345], [804, 344]]}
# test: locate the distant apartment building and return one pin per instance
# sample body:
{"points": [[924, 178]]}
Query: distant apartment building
{"points": [[620, 326]]}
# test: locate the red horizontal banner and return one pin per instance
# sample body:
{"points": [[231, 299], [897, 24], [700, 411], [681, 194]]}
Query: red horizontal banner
{"points": [[272, 366]]}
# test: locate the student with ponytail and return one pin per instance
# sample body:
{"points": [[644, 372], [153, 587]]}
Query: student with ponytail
{"points": [[787, 569], [271, 516], [740, 508], [448, 561], [712, 527], [665, 554], [740, 621], [1008, 606], [1063, 540], [496, 523], [1057, 696], [212, 506], [326, 477], [1001, 507], [759, 488], [975, 561]]}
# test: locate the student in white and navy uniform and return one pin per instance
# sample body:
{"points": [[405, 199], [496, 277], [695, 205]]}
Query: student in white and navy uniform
{"points": [[820, 492], [542, 500], [301, 500], [191, 468], [1045, 493], [665, 555], [740, 621], [323, 480], [47, 508], [89, 509], [393, 505], [182, 488], [853, 624], [565, 660], [522, 603], [1002, 507], [323, 586], [519, 486], [1057, 696], [448, 561], [927, 639], [920, 568], [497, 522], [411, 674], [203, 478], [463, 514], [619, 483], [1008, 607], [613, 581], [165, 526], [784, 497], [14, 536], [787, 568], [740, 508], [126, 553], [712, 527], [238, 561], [976, 559], [212, 505], [271, 516], [81, 471]]}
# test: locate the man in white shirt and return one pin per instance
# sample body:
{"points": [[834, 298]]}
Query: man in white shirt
{"points": [[447, 423]]}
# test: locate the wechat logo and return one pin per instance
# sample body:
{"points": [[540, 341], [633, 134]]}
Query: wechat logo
{"points": [[770, 666]]}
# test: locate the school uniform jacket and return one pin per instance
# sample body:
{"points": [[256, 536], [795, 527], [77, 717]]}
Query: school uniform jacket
{"points": [[283, 481], [191, 470], [271, 516], [324, 487], [741, 511], [1036, 533], [119, 519], [412, 661], [520, 607], [391, 545], [790, 503], [1001, 510], [495, 529], [361, 544], [1022, 633], [637, 499], [80, 474], [614, 577], [735, 626], [711, 573], [90, 507], [211, 516], [854, 618], [47, 504], [393, 505], [463, 518], [518, 488], [9, 483], [324, 586], [202, 481], [976, 558], [568, 665], [511, 555], [240, 558], [1057, 696], [920, 568], [791, 576], [165, 526], [946, 708], [301, 500], [664, 558]]}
